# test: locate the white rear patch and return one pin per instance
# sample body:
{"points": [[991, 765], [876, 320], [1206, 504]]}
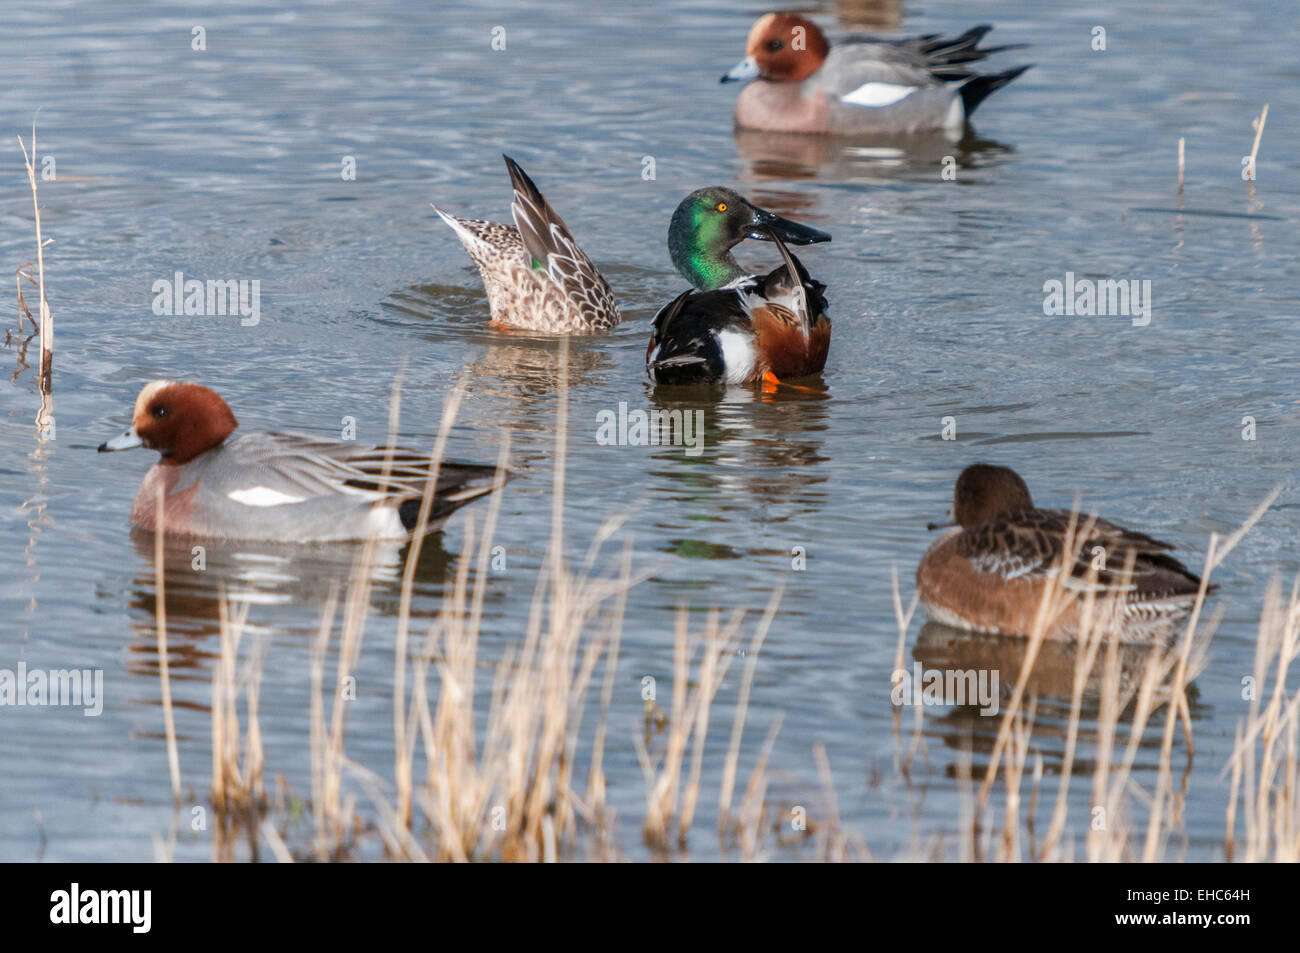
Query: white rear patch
{"points": [[876, 95], [263, 496], [956, 117], [737, 355], [384, 523]]}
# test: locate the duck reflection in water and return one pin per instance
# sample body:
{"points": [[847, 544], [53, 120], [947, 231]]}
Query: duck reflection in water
{"points": [[873, 158], [279, 579], [1049, 690]]}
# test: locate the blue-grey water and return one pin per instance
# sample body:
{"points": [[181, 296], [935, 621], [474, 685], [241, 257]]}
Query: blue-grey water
{"points": [[227, 162]]}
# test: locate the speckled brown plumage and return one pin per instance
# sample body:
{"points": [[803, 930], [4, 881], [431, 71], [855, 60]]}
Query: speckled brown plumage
{"points": [[990, 573], [535, 275]]}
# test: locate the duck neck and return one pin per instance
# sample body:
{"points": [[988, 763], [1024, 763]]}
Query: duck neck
{"points": [[708, 269], [702, 260]]}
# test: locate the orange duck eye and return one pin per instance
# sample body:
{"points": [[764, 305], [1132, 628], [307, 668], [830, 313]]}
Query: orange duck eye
{"points": [[722, 206]]}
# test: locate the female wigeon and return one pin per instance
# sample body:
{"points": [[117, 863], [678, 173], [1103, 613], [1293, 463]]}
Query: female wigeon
{"points": [[739, 328], [279, 487], [859, 86], [536, 276], [989, 573]]}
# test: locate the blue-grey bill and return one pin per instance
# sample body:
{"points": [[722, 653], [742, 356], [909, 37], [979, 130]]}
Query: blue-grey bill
{"points": [[743, 71], [126, 441]]}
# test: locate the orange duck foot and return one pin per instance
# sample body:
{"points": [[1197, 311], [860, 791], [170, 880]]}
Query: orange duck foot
{"points": [[771, 382]]}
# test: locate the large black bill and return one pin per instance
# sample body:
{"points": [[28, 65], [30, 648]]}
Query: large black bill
{"points": [[790, 232]]}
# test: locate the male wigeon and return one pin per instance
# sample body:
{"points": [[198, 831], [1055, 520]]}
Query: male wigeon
{"points": [[988, 574], [536, 276], [279, 487], [738, 328], [861, 85]]}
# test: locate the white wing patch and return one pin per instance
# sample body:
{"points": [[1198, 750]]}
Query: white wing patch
{"points": [[877, 95], [263, 496]]}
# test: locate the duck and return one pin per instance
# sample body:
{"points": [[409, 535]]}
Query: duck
{"points": [[733, 327], [800, 83], [536, 276], [989, 571], [276, 486]]}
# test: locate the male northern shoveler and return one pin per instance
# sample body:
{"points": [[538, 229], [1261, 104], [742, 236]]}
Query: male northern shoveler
{"points": [[279, 487], [536, 276], [739, 328], [988, 574], [862, 85]]}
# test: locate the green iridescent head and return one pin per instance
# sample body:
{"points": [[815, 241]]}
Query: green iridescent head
{"points": [[710, 222]]}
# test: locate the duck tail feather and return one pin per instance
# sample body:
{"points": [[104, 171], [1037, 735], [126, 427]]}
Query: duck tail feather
{"points": [[978, 88]]}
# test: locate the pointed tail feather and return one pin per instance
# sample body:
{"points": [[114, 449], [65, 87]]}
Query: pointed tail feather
{"points": [[976, 89], [939, 47], [536, 220], [458, 484]]}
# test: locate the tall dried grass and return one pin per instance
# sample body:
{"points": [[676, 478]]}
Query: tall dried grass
{"points": [[506, 776]]}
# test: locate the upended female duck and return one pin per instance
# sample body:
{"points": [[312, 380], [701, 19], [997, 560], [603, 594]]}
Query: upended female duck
{"points": [[536, 276], [738, 328]]}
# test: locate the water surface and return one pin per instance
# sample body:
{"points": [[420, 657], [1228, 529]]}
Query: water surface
{"points": [[226, 163]]}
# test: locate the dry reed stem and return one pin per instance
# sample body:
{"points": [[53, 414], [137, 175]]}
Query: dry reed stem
{"points": [[742, 708], [403, 752], [1258, 123], [160, 628], [1271, 795], [318, 732], [1181, 166], [45, 375], [279, 850], [238, 760], [903, 620], [749, 825], [687, 728], [1050, 606], [595, 797]]}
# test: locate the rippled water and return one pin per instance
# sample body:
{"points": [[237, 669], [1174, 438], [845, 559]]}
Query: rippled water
{"points": [[226, 163]]}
